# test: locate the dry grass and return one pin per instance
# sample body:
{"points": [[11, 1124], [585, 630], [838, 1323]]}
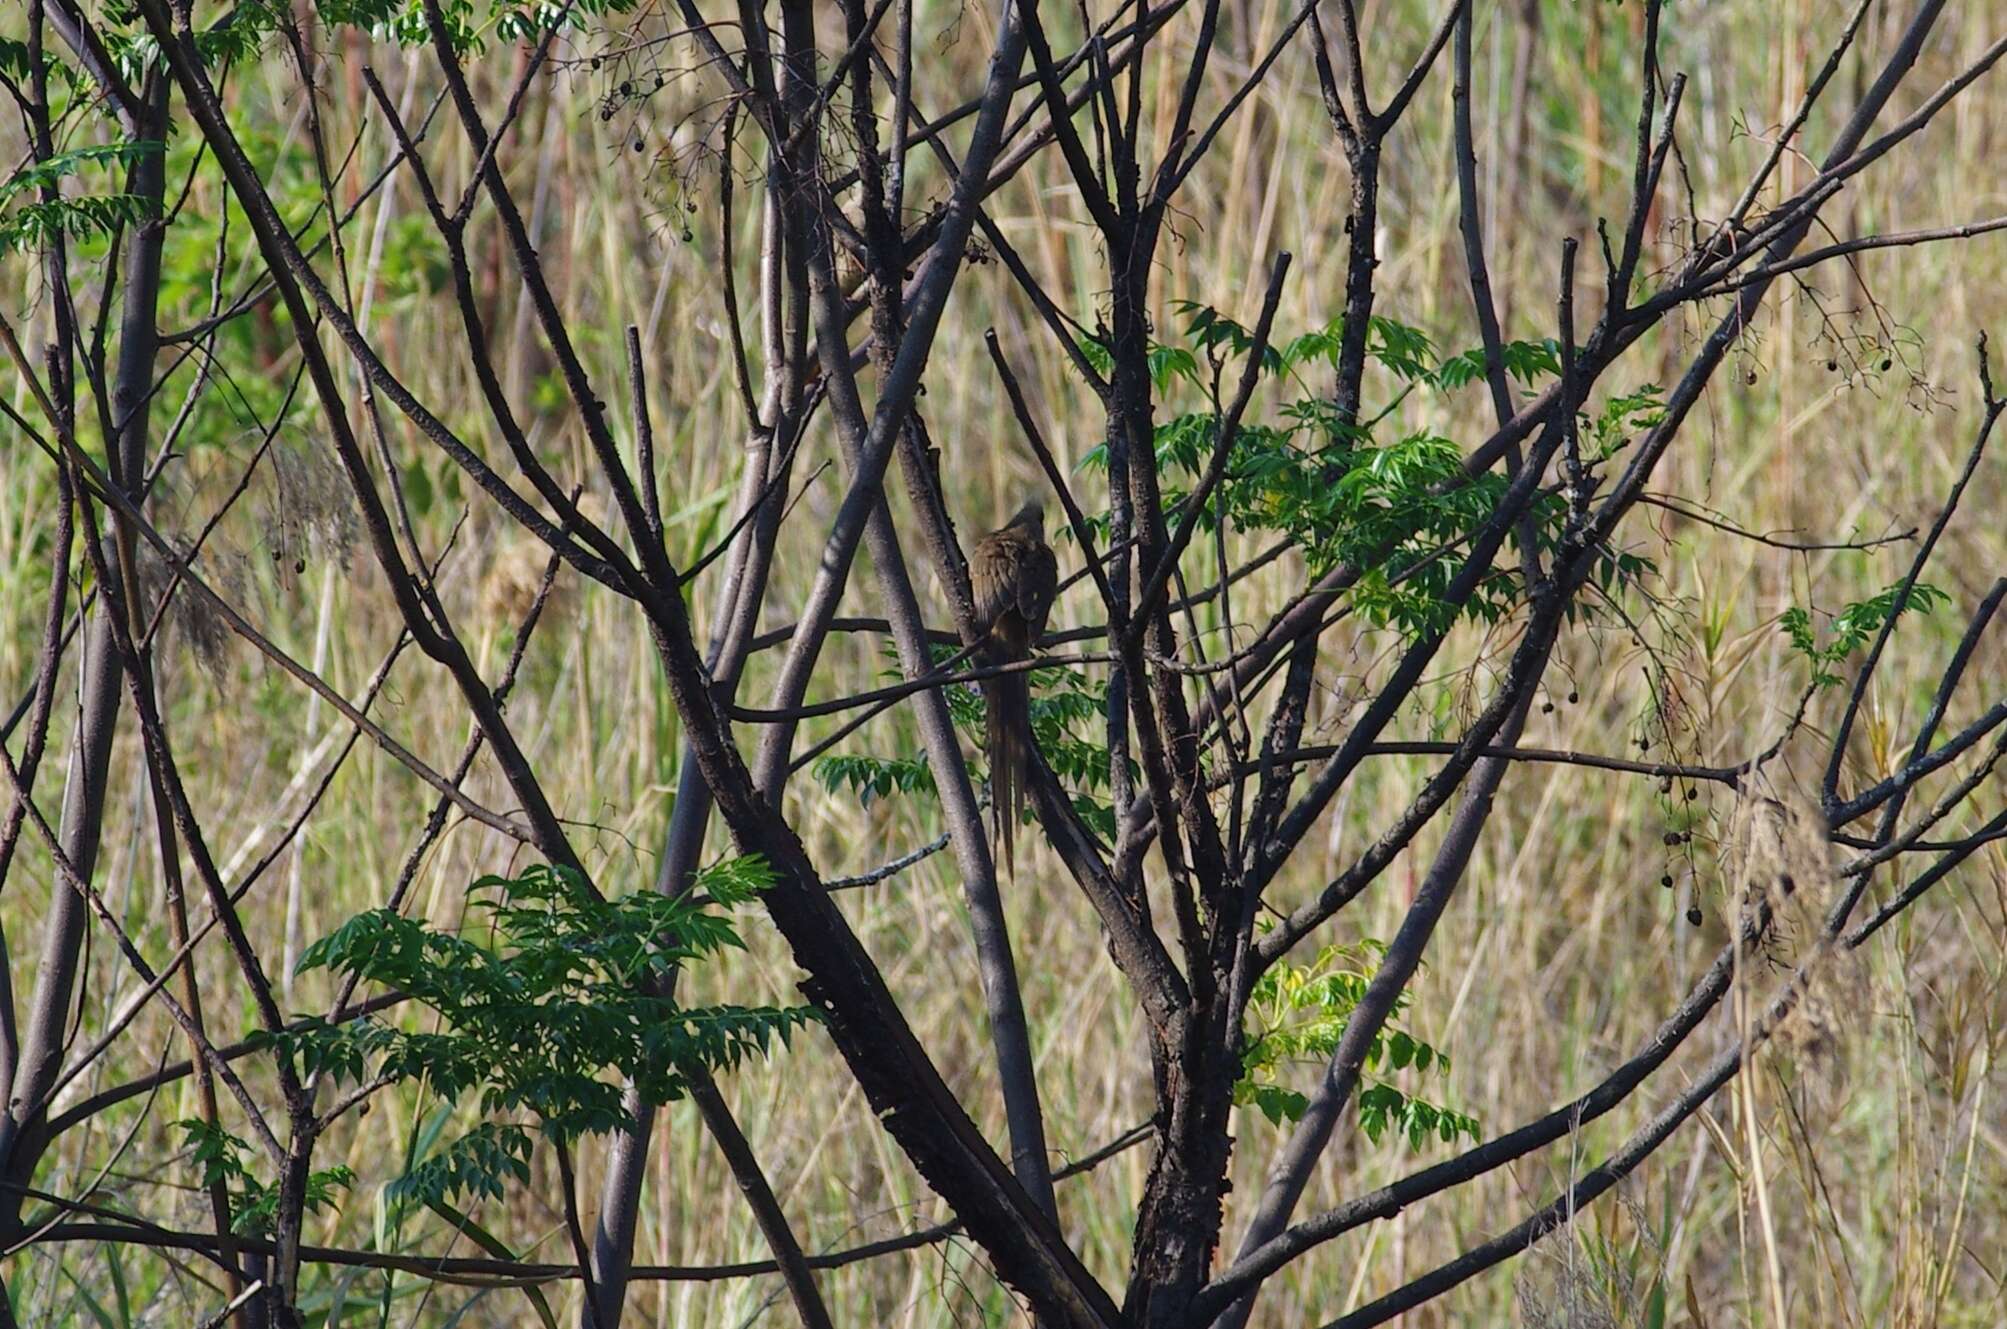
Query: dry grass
{"points": [[1857, 1178]]}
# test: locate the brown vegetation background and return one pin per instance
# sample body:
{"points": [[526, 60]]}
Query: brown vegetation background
{"points": [[1859, 1177]]}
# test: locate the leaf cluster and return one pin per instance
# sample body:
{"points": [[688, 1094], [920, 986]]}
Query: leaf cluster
{"points": [[869, 779], [254, 1204], [1851, 628], [477, 1163], [1301, 1011], [550, 1014], [467, 24], [1065, 703], [35, 222], [1400, 507]]}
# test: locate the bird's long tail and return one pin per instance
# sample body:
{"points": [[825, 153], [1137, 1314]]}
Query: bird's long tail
{"points": [[1009, 699]]}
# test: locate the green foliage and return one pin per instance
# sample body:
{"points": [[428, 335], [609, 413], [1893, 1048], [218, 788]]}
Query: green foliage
{"points": [[1065, 702], [35, 225], [873, 778], [1167, 363], [1062, 698], [1622, 418], [1301, 1012], [1851, 628], [548, 1015], [1401, 508], [254, 1205], [476, 1164], [1527, 361], [468, 25], [242, 31], [42, 174], [36, 222], [869, 778], [1417, 1121], [1220, 337], [16, 64], [232, 39]]}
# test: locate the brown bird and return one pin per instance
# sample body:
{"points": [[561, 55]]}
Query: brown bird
{"points": [[1015, 577]]}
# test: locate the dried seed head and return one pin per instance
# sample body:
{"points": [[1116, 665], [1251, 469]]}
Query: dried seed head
{"points": [[190, 615], [305, 506]]}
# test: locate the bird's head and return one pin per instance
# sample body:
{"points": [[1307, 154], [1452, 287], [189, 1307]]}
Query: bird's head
{"points": [[1031, 516]]}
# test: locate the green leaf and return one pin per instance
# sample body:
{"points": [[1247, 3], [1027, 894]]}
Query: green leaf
{"points": [[543, 1011], [1300, 1013], [44, 174], [1171, 362], [1853, 627], [36, 225], [418, 485], [872, 778], [478, 1164], [1097, 355], [254, 1205]]}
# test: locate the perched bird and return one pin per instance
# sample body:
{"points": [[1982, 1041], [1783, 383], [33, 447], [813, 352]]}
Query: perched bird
{"points": [[1015, 577]]}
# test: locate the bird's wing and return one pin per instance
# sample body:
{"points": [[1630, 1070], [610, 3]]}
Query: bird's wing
{"points": [[1038, 583], [993, 575]]}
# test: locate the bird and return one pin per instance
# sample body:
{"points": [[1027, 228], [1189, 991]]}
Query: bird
{"points": [[1014, 576]]}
